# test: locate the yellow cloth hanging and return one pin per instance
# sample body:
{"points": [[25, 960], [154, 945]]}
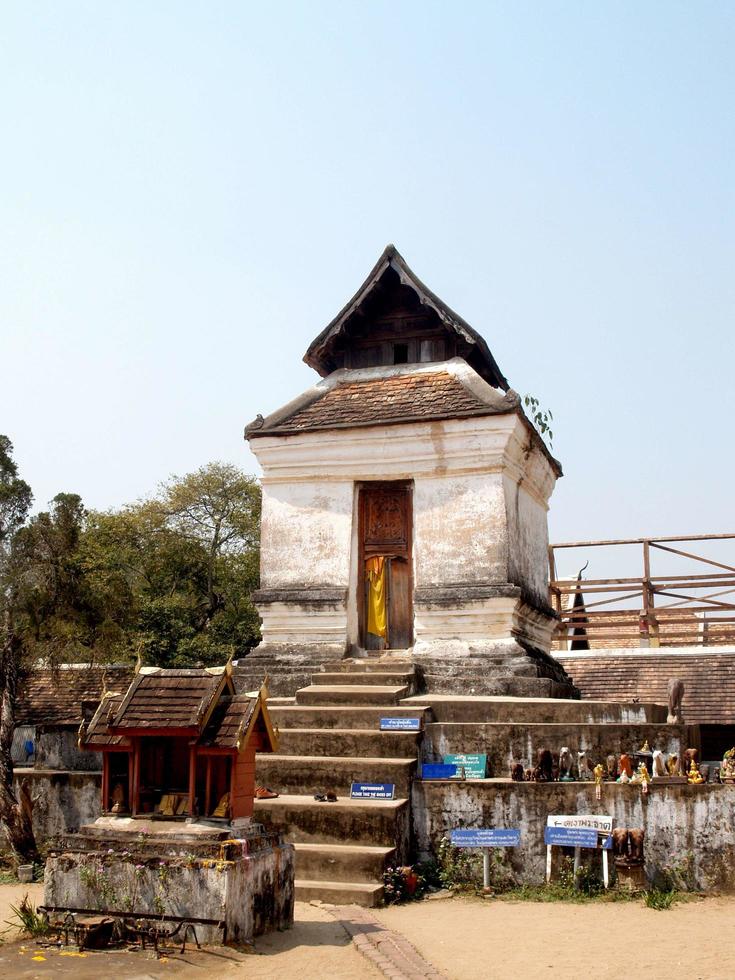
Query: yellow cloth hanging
{"points": [[377, 623]]}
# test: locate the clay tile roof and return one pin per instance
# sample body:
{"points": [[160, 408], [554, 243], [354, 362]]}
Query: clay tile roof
{"points": [[709, 680], [160, 698], [54, 697], [228, 721], [401, 398], [97, 733]]}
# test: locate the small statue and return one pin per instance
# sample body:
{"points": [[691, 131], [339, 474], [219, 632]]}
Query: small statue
{"points": [[543, 773], [645, 748], [659, 764], [727, 769], [612, 767], [620, 844], [690, 756], [598, 773], [626, 766], [636, 837], [118, 798], [584, 766], [566, 765], [516, 772], [643, 777], [676, 696], [672, 764], [694, 776]]}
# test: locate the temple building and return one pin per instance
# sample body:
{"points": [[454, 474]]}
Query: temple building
{"points": [[405, 502]]}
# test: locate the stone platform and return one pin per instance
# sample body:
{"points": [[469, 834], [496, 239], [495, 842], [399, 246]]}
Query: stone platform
{"points": [[241, 876], [330, 736]]}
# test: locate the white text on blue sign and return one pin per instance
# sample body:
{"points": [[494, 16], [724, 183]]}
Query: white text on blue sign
{"points": [[372, 791], [486, 837]]}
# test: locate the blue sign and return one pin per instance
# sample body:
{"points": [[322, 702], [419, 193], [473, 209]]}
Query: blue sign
{"points": [[437, 771], [372, 791], [486, 837], [571, 836], [400, 724], [468, 766]]}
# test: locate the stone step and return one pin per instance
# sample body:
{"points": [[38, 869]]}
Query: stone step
{"points": [[348, 742], [339, 716], [301, 820], [393, 678], [453, 707], [319, 773], [505, 743], [345, 862], [488, 684], [339, 893], [351, 694], [370, 664]]}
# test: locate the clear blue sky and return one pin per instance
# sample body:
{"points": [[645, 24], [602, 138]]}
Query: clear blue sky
{"points": [[190, 192]]}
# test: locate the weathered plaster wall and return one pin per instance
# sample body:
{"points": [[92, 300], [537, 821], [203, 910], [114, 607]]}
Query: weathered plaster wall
{"points": [[459, 529], [253, 895], [505, 743], [58, 748], [679, 821], [305, 533], [472, 527], [528, 540], [62, 801]]}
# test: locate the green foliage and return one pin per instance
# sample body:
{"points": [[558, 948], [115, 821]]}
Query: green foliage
{"points": [[541, 418], [659, 900], [461, 868], [27, 919], [676, 877]]}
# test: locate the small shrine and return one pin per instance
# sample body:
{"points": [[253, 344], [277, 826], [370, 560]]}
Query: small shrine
{"points": [[180, 744], [175, 841]]}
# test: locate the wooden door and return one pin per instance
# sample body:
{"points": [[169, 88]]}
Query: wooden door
{"points": [[386, 530]]}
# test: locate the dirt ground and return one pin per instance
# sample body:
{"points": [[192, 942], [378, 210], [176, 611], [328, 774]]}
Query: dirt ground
{"points": [[316, 946], [467, 939], [495, 940]]}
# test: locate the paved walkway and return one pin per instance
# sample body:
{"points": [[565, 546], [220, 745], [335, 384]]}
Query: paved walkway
{"points": [[391, 952]]}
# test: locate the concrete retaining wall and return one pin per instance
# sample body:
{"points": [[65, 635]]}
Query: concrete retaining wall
{"points": [[62, 801], [506, 743], [692, 825], [253, 894]]}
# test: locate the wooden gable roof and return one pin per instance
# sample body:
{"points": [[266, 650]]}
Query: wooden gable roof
{"points": [[235, 718], [172, 700], [97, 735], [392, 268]]}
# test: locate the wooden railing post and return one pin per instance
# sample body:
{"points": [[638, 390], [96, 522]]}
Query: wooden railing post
{"points": [[648, 622]]}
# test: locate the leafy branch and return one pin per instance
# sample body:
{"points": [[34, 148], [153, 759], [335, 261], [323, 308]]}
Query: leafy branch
{"points": [[541, 419]]}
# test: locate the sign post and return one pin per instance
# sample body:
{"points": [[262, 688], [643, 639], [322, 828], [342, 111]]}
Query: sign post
{"points": [[485, 838], [578, 831]]}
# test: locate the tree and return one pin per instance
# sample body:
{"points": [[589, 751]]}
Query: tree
{"points": [[15, 502], [183, 564]]}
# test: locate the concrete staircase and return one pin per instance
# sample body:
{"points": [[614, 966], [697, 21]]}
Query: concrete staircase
{"points": [[330, 737]]}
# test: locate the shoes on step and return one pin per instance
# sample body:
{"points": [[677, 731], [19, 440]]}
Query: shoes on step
{"points": [[265, 793]]}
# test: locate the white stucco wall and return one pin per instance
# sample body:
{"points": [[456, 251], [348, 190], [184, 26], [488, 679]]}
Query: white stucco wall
{"points": [[480, 492]]}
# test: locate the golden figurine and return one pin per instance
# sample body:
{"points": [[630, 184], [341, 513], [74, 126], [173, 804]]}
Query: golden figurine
{"points": [[694, 776]]}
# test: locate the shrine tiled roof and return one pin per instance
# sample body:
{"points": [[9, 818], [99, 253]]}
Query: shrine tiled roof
{"points": [[709, 679], [97, 733], [402, 397], [171, 699], [57, 696], [229, 721]]}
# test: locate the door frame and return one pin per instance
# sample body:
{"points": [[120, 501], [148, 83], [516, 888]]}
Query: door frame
{"points": [[362, 486]]}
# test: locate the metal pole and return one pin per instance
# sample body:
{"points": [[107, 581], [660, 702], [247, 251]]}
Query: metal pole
{"points": [[486, 868]]}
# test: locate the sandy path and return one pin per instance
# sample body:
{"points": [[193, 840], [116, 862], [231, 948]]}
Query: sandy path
{"points": [[494, 940], [317, 946]]}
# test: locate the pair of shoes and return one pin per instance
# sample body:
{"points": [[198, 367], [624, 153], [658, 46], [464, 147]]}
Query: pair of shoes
{"points": [[329, 797], [264, 793]]}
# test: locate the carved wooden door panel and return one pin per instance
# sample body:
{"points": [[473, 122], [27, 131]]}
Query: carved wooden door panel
{"points": [[386, 530]]}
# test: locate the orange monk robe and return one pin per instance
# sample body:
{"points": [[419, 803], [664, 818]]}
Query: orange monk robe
{"points": [[377, 623]]}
